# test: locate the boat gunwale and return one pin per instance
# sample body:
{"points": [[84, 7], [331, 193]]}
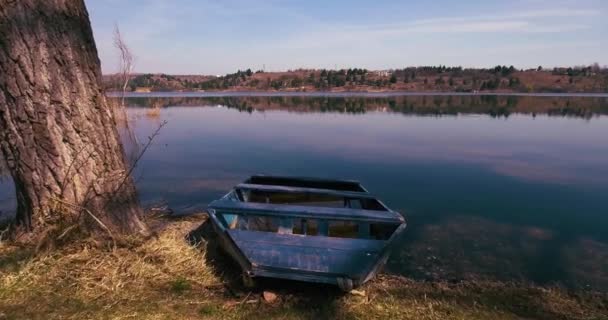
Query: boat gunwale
{"points": [[319, 191], [300, 178], [297, 211], [295, 179]]}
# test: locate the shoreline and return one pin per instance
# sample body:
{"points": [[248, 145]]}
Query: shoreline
{"points": [[168, 277], [341, 94]]}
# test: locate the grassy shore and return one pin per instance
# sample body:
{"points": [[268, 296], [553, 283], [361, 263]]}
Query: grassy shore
{"points": [[168, 278]]}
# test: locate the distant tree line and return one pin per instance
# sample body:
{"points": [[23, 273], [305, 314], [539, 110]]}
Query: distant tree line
{"points": [[338, 78], [227, 81], [436, 78]]}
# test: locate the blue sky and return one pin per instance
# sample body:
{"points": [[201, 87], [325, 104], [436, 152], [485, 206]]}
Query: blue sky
{"points": [[221, 36]]}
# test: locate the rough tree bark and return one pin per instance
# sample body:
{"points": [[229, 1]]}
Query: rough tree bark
{"points": [[57, 132]]}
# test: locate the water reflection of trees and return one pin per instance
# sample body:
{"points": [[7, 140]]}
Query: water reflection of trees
{"points": [[495, 106]]}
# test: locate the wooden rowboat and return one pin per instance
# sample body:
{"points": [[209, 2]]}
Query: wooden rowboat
{"points": [[305, 229]]}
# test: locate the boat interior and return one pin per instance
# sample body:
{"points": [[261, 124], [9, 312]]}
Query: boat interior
{"points": [[304, 206]]}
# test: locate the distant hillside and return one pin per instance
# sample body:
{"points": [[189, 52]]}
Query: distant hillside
{"points": [[414, 79]]}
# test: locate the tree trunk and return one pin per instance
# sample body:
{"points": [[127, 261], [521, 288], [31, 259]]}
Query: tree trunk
{"points": [[57, 132]]}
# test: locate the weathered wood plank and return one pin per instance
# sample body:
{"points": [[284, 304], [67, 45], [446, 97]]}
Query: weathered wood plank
{"points": [[269, 239], [287, 189], [349, 262], [344, 185], [306, 211]]}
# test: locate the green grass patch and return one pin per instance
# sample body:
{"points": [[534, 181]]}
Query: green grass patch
{"points": [[180, 285]]}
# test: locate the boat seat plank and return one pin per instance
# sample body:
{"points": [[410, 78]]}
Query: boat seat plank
{"points": [[306, 211]]}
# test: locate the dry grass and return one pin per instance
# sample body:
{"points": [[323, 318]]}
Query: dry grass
{"points": [[167, 278], [101, 279]]}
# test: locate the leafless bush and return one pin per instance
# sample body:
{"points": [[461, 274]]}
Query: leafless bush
{"points": [[126, 62], [125, 68]]}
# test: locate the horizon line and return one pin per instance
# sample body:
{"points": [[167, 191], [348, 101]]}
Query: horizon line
{"points": [[544, 69]]}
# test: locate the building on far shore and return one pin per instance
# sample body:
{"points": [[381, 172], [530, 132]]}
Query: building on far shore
{"points": [[382, 73]]}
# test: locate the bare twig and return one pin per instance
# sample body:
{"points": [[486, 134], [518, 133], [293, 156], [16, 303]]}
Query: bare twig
{"points": [[245, 299], [65, 178], [80, 209], [89, 213], [141, 154], [126, 62], [125, 68], [99, 222], [67, 231], [4, 232]]}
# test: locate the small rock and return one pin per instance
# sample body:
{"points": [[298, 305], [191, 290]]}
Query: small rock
{"points": [[357, 293], [269, 297], [230, 304]]}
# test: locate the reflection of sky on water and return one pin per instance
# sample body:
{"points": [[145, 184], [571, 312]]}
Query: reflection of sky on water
{"points": [[7, 198], [541, 149], [203, 151]]}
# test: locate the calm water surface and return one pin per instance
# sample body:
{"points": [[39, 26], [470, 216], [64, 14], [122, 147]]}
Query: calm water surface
{"points": [[492, 187]]}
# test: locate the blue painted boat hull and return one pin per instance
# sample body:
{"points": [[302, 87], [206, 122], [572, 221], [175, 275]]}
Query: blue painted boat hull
{"points": [[346, 262]]}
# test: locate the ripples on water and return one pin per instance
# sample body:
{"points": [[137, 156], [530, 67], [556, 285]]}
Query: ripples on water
{"points": [[494, 187]]}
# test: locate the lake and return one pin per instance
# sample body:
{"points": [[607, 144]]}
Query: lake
{"points": [[492, 187]]}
